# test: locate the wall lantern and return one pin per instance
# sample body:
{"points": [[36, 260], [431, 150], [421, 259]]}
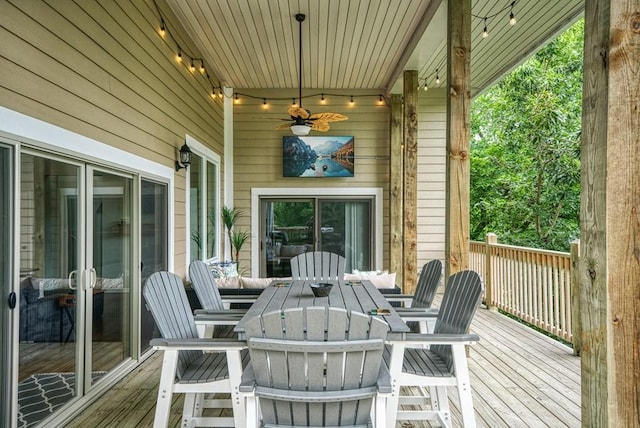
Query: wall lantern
{"points": [[185, 157]]}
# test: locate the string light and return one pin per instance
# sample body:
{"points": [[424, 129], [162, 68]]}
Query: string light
{"points": [[512, 16], [294, 102], [264, 103], [164, 30], [426, 88], [486, 18], [437, 77]]}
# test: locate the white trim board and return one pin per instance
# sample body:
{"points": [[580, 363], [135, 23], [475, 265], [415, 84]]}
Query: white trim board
{"points": [[258, 192]]}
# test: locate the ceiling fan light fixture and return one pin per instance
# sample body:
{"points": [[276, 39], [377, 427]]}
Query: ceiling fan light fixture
{"points": [[300, 129]]}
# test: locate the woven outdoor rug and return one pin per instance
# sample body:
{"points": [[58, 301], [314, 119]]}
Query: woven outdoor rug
{"points": [[42, 394]]}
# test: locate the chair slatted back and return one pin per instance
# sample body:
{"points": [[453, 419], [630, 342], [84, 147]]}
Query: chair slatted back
{"points": [[204, 283], [167, 300], [317, 265], [426, 288], [316, 366], [427, 284], [462, 297]]}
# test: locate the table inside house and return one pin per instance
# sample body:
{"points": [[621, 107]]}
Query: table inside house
{"points": [[360, 296]]}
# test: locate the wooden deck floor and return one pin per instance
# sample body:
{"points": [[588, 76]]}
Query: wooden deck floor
{"points": [[520, 378]]}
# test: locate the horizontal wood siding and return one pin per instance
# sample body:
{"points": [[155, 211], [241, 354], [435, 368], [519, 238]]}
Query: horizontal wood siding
{"points": [[431, 174], [258, 148], [101, 69]]}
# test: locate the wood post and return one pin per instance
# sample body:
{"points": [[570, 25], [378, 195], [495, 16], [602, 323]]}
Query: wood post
{"points": [[490, 239], [396, 191], [609, 215], [410, 214], [458, 136], [576, 323]]}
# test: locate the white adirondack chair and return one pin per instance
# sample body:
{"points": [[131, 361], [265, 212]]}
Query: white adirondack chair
{"points": [[318, 265], [192, 365], [443, 362], [316, 366]]}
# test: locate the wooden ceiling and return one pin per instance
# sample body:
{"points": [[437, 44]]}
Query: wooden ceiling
{"points": [[361, 44]]}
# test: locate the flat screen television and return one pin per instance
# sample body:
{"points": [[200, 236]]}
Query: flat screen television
{"points": [[317, 156]]}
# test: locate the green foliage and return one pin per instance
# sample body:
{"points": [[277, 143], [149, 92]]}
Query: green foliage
{"points": [[287, 214], [525, 150], [237, 238]]}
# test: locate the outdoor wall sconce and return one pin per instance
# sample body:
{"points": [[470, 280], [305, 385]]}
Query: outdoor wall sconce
{"points": [[185, 158]]}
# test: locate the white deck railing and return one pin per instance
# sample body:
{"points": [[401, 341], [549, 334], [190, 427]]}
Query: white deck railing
{"points": [[531, 284]]}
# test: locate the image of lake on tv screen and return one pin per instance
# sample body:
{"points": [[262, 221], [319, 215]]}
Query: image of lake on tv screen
{"points": [[317, 156]]}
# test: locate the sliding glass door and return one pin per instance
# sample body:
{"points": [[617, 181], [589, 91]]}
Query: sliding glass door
{"points": [[76, 269], [293, 226]]}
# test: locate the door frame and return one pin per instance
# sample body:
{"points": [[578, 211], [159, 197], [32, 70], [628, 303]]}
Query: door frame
{"points": [[300, 192]]}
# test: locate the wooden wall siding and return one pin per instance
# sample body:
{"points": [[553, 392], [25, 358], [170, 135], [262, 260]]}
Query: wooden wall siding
{"points": [[431, 174], [258, 148], [100, 69]]}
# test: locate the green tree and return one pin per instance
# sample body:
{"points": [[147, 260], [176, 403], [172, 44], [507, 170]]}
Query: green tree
{"points": [[525, 159]]}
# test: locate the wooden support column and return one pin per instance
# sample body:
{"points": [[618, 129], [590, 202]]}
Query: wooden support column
{"points": [[610, 215], [396, 217], [410, 214], [458, 136]]}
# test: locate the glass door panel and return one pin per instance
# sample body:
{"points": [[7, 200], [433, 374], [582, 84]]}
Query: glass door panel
{"points": [[109, 222], [288, 231], [154, 247], [50, 235], [345, 229]]}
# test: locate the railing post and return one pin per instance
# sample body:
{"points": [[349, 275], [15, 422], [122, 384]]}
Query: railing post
{"points": [[576, 318], [490, 239]]}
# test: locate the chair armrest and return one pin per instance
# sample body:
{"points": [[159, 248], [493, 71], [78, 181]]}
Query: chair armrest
{"points": [[239, 298], [224, 313], [384, 380], [198, 344], [248, 380], [405, 298], [440, 339]]}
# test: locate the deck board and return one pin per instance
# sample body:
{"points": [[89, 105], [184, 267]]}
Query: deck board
{"points": [[520, 378]]}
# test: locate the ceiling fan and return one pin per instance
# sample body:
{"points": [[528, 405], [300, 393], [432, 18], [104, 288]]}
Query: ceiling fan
{"points": [[302, 119]]}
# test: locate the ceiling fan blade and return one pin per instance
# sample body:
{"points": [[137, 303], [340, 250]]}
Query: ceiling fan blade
{"points": [[320, 125], [328, 117], [300, 112], [282, 127]]}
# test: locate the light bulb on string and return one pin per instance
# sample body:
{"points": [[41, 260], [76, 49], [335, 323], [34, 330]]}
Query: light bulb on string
{"points": [[485, 32], [202, 70], [192, 66], [293, 102], [380, 100], [512, 16], [322, 100], [426, 88], [351, 102], [179, 58], [437, 77], [162, 27]]}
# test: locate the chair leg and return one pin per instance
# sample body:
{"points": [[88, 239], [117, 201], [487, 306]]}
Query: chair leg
{"points": [[165, 389], [464, 386], [234, 365], [395, 370]]}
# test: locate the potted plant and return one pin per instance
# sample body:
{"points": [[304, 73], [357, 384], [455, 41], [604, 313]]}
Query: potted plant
{"points": [[237, 237]]}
